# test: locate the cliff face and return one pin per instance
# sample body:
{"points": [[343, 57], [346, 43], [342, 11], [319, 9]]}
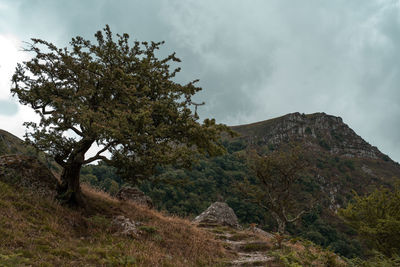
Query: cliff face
{"points": [[343, 161], [318, 131]]}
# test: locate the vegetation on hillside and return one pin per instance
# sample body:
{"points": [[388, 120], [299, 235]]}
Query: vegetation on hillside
{"points": [[37, 231], [188, 192], [377, 218], [277, 174]]}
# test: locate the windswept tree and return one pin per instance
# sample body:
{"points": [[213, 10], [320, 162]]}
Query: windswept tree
{"points": [[116, 95], [274, 189]]}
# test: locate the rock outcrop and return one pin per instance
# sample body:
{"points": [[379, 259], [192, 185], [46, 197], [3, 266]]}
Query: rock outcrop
{"points": [[124, 226], [28, 172], [319, 130], [135, 195], [218, 213]]}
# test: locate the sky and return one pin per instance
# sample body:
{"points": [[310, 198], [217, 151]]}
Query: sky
{"points": [[255, 59]]}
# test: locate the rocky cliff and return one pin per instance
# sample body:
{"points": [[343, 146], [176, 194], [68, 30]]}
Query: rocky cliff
{"points": [[343, 160], [318, 131]]}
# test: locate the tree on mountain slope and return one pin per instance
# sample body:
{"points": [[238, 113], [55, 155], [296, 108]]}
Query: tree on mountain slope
{"points": [[116, 95], [376, 217], [277, 174]]}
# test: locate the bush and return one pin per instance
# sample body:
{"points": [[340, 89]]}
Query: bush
{"points": [[376, 217]]}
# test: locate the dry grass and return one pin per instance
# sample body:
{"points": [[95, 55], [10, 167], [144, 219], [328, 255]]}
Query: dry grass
{"points": [[39, 232]]}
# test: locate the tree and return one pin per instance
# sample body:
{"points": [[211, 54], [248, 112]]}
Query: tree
{"points": [[116, 95], [376, 217], [276, 175]]}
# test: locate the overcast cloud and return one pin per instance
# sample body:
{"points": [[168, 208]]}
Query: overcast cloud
{"points": [[255, 59]]}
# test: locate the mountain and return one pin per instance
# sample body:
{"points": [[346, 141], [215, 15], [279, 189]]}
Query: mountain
{"points": [[343, 160], [319, 130]]}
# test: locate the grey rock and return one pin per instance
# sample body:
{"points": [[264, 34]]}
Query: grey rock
{"points": [[218, 213], [125, 226], [135, 195], [316, 129], [261, 232]]}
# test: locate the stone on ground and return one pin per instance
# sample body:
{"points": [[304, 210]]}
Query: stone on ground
{"points": [[124, 226], [135, 195], [218, 213]]}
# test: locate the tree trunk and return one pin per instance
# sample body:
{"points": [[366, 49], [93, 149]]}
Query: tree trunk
{"points": [[69, 191], [280, 221], [281, 226]]}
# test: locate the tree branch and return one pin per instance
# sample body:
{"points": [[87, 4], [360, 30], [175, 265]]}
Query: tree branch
{"points": [[43, 107], [295, 218], [76, 131], [98, 155]]}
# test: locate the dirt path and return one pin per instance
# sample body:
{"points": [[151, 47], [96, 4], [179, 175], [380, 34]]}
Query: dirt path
{"points": [[250, 247]]}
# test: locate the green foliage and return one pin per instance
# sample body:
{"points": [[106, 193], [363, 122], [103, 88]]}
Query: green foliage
{"points": [[3, 148], [117, 95], [324, 144], [378, 260], [191, 191], [287, 258], [377, 218]]}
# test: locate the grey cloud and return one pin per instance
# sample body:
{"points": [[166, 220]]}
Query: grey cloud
{"points": [[256, 59]]}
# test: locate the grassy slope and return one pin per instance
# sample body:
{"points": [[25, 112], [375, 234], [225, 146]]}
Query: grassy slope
{"points": [[36, 231]]}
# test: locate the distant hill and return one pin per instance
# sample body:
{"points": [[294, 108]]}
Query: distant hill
{"points": [[318, 131], [10, 144]]}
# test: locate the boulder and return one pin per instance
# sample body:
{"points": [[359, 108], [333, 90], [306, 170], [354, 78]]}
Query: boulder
{"points": [[28, 172], [124, 226], [218, 213], [135, 195], [261, 232]]}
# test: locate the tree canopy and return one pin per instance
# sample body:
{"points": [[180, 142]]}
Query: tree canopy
{"points": [[376, 217], [116, 95]]}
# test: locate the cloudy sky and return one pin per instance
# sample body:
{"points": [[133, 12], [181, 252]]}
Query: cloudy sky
{"points": [[255, 59]]}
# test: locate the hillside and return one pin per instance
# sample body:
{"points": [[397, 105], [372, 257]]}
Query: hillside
{"points": [[36, 231], [10, 144], [342, 162]]}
